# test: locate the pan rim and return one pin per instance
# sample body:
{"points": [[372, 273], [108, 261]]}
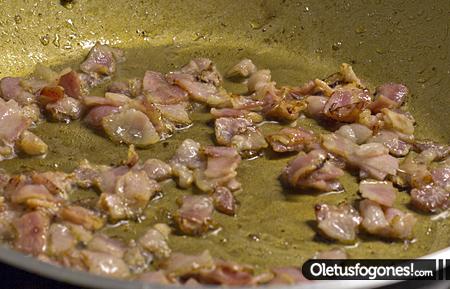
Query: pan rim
{"points": [[88, 280]]}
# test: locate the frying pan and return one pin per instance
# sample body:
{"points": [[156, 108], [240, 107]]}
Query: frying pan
{"points": [[401, 41]]}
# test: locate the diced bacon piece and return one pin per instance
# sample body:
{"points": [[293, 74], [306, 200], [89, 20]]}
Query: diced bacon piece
{"points": [[32, 232], [338, 222], [194, 217], [381, 192]]}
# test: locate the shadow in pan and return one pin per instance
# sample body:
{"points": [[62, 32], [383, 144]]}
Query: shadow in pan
{"points": [[18, 279]]}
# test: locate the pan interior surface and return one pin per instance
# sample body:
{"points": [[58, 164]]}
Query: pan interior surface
{"points": [[297, 42]]}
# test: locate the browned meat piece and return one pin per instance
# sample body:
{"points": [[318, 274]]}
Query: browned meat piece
{"points": [[345, 105], [291, 139], [159, 90], [241, 134], [31, 144], [130, 127], [34, 196], [250, 103], [87, 175], [356, 132], [338, 222], [382, 193], [56, 182], [391, 140], [102, 60], [178, 264], [104, 264], [389, 95], [95, 116], [163, 126], [398, 122], [32, 232], [224, 201], [65, 109], [81, 216], [387, 223], [430, 198], [155, 241], [440, 151], [441, 176], [372, 159], [413, 171], [313, 171], [50, 94], [11, 89], [287, 275], [194, 217], [203, 70], [278, 106], [133, 191], [71, 84], [103, 244], [335, 253], [61, 240], [347, 75], [156, 169], [243, 68]]}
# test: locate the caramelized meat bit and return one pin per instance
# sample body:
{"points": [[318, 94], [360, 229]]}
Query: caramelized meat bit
{"points": [[430, 198], [71, 84], [345, 105], [81, 216], [224, 201], [241, 134], [312, 171], [291, 139]]}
